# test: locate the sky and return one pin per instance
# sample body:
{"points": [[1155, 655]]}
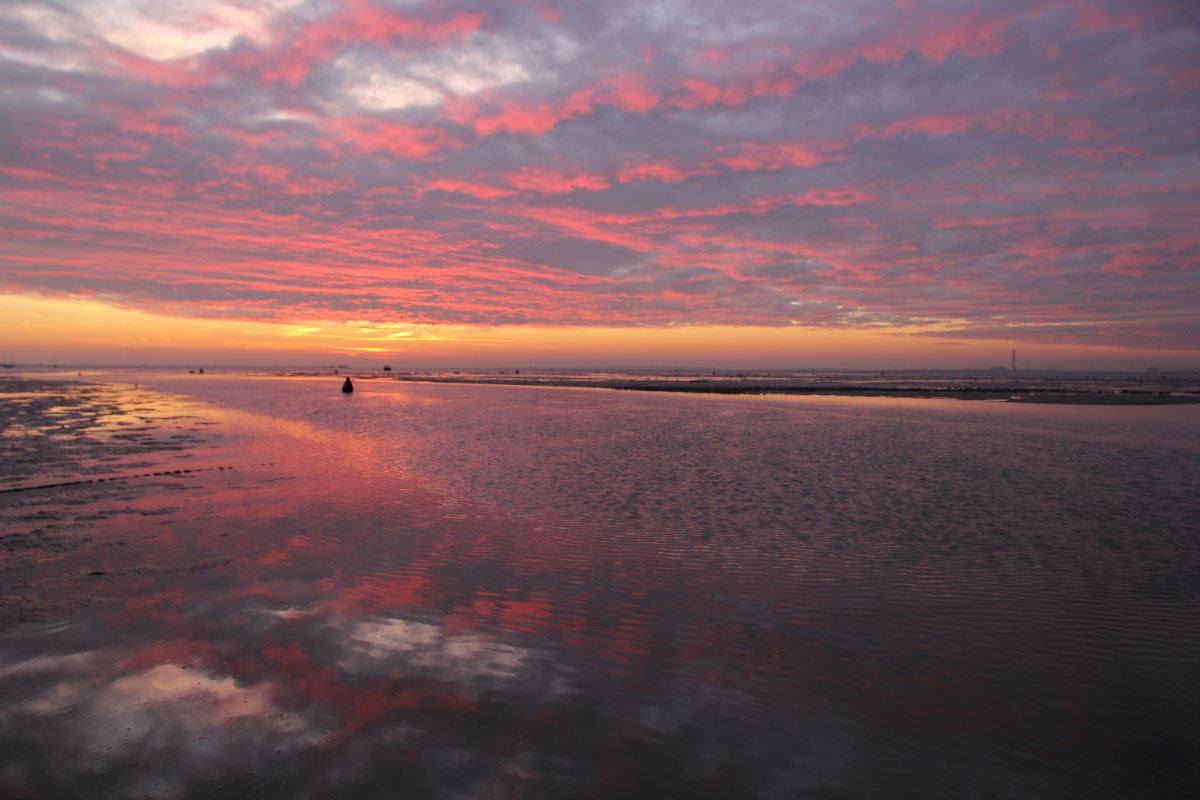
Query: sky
{"points": [[755, 183]]}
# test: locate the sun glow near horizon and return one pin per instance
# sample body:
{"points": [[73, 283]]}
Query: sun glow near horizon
{"points": [[90, 331]]}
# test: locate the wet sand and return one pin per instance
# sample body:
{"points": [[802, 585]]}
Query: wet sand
{"points": [[89, 471]]}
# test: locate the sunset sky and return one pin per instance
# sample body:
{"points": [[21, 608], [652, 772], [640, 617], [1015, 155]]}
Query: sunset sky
{"points": [[775, 183]]}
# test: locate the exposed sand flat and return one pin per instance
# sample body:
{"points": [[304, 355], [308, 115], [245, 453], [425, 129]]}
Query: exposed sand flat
{"points": [[1062, 388], [53, 429], [79, 462]]}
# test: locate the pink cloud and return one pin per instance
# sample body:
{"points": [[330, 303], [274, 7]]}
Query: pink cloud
{"points": [[357, 22], [371, 134], [750, 156], [548, 181]]}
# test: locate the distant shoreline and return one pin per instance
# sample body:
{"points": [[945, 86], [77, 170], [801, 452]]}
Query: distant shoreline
{"points": [[1025, 394], [1110, 390]]}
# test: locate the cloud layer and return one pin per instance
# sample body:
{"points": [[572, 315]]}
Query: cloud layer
{"points": [[1017, 169]]}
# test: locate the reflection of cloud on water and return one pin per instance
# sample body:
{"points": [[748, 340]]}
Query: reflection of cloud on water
{"points": [[189, 701], [41, 664], [286, 614], [149, 734], [344, 703], [383, 645]]}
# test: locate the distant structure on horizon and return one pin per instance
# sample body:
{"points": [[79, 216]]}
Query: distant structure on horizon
{"points": [[1014, 360]]}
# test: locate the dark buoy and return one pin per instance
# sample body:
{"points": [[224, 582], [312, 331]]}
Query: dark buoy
{"points": [[347, 387]]}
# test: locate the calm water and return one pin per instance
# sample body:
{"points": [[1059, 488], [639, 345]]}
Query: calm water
{"points": [[471, 591]]}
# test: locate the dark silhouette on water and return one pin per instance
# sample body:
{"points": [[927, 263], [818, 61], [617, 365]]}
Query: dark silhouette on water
{"points": [[347, 387]]}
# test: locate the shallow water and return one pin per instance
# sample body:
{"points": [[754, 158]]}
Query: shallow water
{"points": [[489, 591]]}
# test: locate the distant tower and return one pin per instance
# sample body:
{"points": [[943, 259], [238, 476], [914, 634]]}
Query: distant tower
{"points": [[1014, 360]]}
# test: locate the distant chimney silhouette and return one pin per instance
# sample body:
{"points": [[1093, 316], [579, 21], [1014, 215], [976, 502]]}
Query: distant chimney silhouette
{"points": [[1014, 360]]}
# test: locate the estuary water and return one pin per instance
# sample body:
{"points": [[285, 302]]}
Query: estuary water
{"points": [[240, 586]]}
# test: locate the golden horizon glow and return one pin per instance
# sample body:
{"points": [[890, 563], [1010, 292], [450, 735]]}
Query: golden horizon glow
{"points": [[89, 331]]}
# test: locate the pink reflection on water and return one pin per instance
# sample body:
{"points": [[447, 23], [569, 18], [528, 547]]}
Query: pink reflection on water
{"points": [[324, 600]]}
